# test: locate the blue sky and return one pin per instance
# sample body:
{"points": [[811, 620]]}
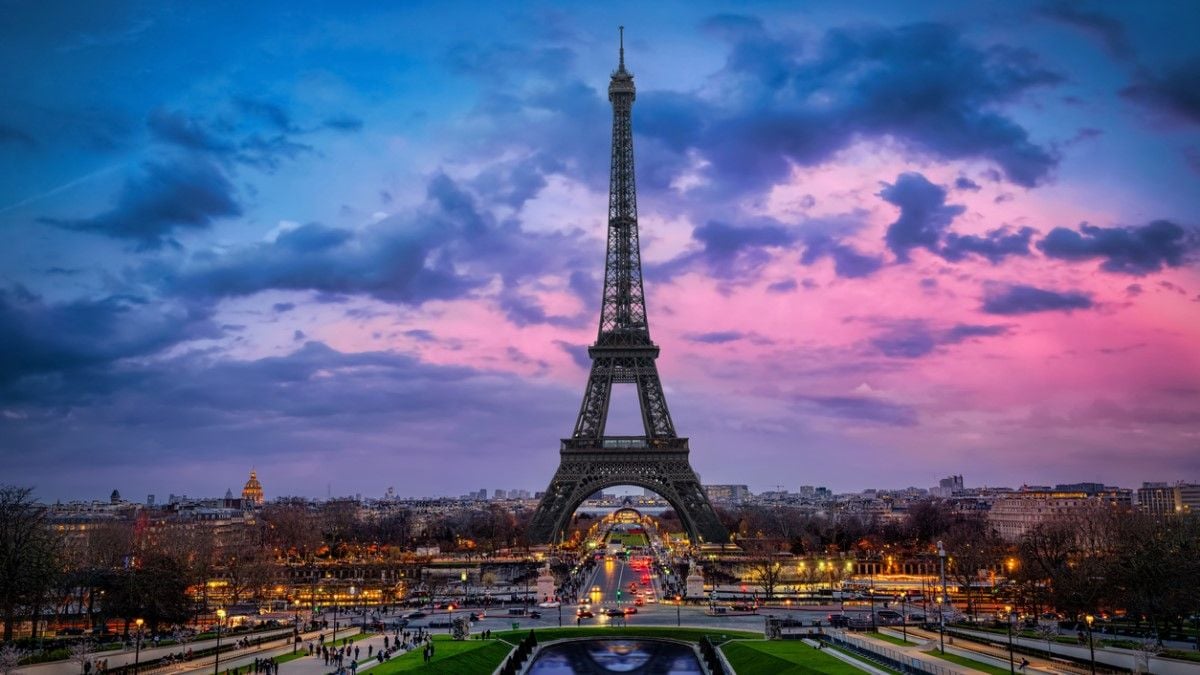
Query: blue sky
{"points": [[884, 242]]}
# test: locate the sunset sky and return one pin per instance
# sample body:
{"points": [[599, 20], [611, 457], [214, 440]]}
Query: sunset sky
{"points": [[356, 247]]}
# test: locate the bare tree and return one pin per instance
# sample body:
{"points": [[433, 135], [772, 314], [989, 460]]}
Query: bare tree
{"points": [[10, 658], [30, 555], [81, 652]]}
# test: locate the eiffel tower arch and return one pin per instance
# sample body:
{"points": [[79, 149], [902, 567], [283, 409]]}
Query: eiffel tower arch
{"points": [[624, 353]]}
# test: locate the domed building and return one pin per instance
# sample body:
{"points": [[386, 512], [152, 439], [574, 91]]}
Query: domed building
{"points": [[253, 491]]}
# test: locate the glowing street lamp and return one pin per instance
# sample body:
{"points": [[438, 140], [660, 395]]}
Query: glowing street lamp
{"points": [[220, 620], [1009, 612], [1091, 645], [137, 649]]}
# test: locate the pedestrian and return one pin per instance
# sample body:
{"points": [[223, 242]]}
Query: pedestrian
{"points": [[369, 648], [1024, 664]]}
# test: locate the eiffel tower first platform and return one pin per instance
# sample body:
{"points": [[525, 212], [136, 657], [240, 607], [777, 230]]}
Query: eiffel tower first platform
{"points": [[623, 353]]}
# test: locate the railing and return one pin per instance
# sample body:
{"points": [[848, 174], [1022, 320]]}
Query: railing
{"points": [[625, 443], [516, 658], [708, 650], [887, 657]]}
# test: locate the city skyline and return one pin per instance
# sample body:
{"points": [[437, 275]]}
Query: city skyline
{"points": [[364, 247]]}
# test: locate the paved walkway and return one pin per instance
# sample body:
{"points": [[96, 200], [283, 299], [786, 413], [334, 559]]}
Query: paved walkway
{"points": [[120, 657]]}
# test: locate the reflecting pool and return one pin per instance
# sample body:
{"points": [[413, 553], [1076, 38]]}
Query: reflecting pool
{"points": [[634, 655]]}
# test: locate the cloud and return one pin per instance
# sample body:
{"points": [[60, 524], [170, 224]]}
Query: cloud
{"points": [[995, 245], [788, 102], [41, 337], [11, 135], [716, 337], [268, 112], [1135, 250], [1172, 91], [729, 251], [445, 248], [187, 132], [343, 122], [964, 183], [924, 214], [848, 262], [164, 198], [916, 338], [784, 286], [862, 409], [1107, 29], [1022, 299]]}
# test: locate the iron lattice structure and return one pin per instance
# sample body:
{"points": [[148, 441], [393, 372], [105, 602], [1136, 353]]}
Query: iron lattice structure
{"points": [[624, 353]]}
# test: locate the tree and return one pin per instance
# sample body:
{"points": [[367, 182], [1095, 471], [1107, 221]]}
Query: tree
{"points": [[81, 652], [973, 547], [10, 658], [30, 554], [764, 567]]}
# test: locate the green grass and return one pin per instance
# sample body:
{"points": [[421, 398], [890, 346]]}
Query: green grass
{"points": [[783, 657], [968, 663], [628, 539], [892, 639], [688, 634], [291, 657], [450, 657]]}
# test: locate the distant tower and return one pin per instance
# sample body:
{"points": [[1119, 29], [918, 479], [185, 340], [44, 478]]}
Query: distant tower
{"points": [[115, 497], [253, 491]]}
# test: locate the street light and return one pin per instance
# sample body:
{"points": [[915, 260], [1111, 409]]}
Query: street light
{"points": [[678, 602], [874, 626], [1091, 645], [137, 646], [941, 600], [217, 661], [1011, 668]]}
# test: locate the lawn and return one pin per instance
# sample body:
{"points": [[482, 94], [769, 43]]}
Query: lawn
{"points": [[783, 657], [968, 663], [450, 657], [894, 640], [689, 634], [628, 539]]}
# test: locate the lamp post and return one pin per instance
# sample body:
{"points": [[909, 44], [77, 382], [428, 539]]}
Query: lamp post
{"points": [[1091, 645], [220, 620], [137, 646], [874, 625], [678, 602], [941, 550], [904, 614], [1011, 668], [353, 603]]}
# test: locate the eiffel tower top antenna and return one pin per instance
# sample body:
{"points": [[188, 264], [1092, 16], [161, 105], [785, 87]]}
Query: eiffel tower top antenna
{"points": [[621, 67]]}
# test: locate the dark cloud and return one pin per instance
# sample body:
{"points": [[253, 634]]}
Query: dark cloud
{"points": [[446, 248], [1129, 250], [964, 183], [848, 262], [187, 132], [343, 122], [1105, 28], [11, 135], [995, 245], [1021, 299], [919, 84], [272, 114], [578, 353], [716, 337], [1173, 90], [41, 337], [924, 214], [729, 251], [916, 338], [861, 409], [162, 199], [785, 286], [281, 307]]}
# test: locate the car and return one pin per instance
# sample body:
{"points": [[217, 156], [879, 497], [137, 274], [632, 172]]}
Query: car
{"points": [[631, 610], [535, 614], [888, 617], [614, 613], [639, 601], [549, 605], [742, 608], [416, 615], [584, 613], [838, 620]]}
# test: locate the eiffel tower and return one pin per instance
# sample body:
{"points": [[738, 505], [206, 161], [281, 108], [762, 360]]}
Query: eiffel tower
{"points": [[623, 353]]}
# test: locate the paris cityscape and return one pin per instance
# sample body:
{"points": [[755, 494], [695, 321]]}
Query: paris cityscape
{"points": [[328, 339]]}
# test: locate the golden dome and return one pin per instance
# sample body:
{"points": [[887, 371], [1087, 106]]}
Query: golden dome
{"points": [[253, 491]]}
